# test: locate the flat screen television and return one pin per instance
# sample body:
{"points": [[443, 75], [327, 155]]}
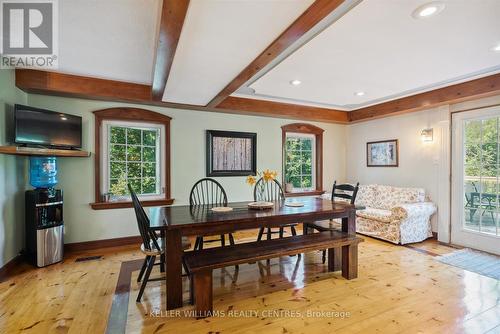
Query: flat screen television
{"points": [[42, 127]]}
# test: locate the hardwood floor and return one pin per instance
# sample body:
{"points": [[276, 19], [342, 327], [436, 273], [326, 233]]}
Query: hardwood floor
{"points": [[399, 289]]}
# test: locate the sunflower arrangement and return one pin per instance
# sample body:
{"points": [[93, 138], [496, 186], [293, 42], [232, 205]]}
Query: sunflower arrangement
{"points": [[266, 175]]}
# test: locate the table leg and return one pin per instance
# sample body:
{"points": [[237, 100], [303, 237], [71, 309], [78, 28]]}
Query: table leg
{"points": [[350, 261], [203, 293], [173, 261], [349, 223], [349, 226]]}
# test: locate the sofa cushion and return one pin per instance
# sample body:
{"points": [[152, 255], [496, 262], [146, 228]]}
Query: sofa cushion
{"points": [[389, 197], [367, 195], [383, 216]]}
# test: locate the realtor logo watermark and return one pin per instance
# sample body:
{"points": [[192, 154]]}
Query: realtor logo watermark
{"points": [[29, 34]]}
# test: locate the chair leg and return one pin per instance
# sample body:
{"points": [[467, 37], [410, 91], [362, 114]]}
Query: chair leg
{"points": [[282, 230], [162, 263], [200, 245], [323, 259], [197, 243], [261, 232], [146, 278], [191, 289], [143, 268], [268, 261], [294, 233], [231, 239], [222, 240], [231, 242]]}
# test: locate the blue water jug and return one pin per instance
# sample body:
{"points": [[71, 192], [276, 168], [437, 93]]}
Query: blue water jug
{"points": [[43, 172]]}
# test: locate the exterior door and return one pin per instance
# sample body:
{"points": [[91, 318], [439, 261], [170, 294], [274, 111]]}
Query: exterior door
{"points": [[475, 179]]}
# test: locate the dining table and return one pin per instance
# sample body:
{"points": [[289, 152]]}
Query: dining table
{"points": [[174, 222]]}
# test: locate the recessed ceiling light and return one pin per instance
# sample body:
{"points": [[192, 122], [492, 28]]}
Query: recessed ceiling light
{"points": [[295, 82], [428, 10], [246, 90], [359, 93]]}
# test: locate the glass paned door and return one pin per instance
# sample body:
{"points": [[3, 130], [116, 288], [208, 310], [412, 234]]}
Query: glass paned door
{"points": [[480, 142], [475, 176]]}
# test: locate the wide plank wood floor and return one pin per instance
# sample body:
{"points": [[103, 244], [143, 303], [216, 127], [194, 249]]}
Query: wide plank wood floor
{"points": [[399, 290]]}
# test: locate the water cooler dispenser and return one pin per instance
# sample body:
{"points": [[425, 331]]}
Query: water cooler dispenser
{"points": [[44, 214]]}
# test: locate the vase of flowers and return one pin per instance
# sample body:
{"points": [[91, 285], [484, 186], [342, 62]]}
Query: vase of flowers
{"points": [[267, 176]]}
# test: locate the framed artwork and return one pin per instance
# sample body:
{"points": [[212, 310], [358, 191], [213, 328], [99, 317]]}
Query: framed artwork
{"points": [[384, 153], [231, 153]]}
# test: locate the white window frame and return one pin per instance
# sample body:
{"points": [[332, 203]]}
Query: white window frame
{"points": [[160, 155], [313, 158]]}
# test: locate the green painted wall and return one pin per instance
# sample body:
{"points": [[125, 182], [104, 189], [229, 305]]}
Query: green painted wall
{"points": [[188, 127], [12, 174]]}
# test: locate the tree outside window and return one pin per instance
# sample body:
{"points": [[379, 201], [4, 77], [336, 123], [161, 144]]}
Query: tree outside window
{"points": [[134, 159], [299, 166], [302, 159]]}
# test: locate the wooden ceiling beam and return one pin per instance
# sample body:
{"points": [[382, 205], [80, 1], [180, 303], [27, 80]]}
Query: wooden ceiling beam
{"points": [[35, 81], [283, 110], [67, 85], [312, 16], [172, 19], [473, 89]]}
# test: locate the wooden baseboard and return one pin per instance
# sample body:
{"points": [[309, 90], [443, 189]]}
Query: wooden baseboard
{"points": [[97, 244], [9, 267]]}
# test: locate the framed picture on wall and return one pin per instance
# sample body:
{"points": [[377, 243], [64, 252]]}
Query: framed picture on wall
{"points": [[384, 153], [231, 153]]}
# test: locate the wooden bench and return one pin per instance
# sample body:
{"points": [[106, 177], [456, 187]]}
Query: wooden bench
{"points": [[201, 263]]}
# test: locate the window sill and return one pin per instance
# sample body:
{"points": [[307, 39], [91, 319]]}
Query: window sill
{"points": [[122, 205], [305, 193]]}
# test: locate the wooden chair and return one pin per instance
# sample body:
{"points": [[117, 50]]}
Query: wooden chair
{"points": [[151, 246], [209, 192], [273, 191], [346, 192]]}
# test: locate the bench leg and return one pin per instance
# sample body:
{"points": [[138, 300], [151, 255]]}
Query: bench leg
{"points": [[202, 283], [334, 259], [350, 261]]}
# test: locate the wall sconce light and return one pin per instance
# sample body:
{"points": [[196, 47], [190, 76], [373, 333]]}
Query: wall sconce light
{"points": [[427, 135]]}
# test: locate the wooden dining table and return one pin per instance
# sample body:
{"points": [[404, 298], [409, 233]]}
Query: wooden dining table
{"points": [[174, 222]]}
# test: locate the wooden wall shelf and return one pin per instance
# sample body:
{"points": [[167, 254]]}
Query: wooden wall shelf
{"points": [[18, 150]]}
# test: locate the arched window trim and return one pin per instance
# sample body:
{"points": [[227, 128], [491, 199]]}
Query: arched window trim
{"points": [[132, 115], [318, 133]]}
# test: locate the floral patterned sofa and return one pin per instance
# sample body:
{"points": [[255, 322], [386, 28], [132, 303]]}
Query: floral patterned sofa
{"points": [[398, 215]]}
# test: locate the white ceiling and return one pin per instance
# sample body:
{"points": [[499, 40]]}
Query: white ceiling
{"points": [[219, 39], [379, 48], [110, 39]]}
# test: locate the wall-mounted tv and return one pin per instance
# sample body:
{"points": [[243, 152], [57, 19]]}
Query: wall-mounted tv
{"points": [[41, 127]]}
